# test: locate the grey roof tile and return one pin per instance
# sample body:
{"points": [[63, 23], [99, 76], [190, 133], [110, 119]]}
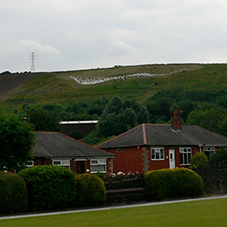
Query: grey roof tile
{"points": [[165, 135], [55, 144]]}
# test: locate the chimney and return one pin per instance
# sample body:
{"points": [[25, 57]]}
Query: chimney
{"points": [[176, 120]]}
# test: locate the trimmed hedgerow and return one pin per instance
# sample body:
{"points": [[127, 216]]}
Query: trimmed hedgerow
{"points": [[91, 190], [50, 187], [13, 193], [174, 183]]}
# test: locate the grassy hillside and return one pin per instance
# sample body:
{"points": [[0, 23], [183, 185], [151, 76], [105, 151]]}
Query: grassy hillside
{"points": [[61, 87]]}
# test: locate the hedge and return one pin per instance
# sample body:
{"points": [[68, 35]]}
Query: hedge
{"points": [[91, 190], [13, 193], [50, 187], [174, 183]]}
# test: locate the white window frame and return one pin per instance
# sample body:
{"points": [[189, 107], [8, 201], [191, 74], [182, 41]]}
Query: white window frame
{"points": [[29, 165], [98, 162], [159, 153], [188, 152], [63, 162], [210, 150]]}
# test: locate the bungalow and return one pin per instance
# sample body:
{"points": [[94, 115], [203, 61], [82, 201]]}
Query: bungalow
{"points": [[58, 149], [157, 146]]}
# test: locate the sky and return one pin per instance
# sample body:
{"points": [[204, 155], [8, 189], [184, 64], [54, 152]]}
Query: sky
{"points": [[84, 34]]}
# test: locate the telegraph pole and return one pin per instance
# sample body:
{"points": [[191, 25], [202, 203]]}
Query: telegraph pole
{"points": [[32, 62]]}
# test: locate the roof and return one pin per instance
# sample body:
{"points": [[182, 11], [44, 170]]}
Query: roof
{"points": [[55, 144], [78, 122], [166, 135]]}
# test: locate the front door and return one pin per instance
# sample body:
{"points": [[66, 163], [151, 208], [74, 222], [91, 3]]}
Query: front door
{"points": [[172, 159], [80, 167]]}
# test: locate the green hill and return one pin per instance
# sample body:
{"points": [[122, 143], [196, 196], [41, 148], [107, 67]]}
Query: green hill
{"points": [[140, 82], [198, 90]]}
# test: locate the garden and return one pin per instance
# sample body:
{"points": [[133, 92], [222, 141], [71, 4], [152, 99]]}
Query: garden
{"points": [[49, 188]]}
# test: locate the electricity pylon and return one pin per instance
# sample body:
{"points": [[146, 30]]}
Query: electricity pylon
{"points": [[33, 62]]}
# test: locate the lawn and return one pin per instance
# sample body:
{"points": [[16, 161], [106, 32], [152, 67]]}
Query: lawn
{"points": [[196, 213]]}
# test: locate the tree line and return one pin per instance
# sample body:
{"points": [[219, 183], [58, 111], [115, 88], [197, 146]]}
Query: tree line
{"points": [[207, 108], [204, 108]]}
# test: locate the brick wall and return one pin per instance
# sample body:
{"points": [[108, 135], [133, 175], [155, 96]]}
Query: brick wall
{"points": [[42, 161], [138, 159], [128, 160]]}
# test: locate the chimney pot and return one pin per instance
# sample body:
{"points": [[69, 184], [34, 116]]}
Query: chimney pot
{"points": [[176, 120]]}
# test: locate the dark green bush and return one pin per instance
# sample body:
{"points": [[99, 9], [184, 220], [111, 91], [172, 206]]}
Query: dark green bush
{"points": [[219, 160], [50, 187], [91, 190], [13, 193], [174, 183], [199, 160]]}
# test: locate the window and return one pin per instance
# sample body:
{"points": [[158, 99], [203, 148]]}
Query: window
{"points": [[65, 163], [157, 154], [185, 156], [29, 163], [209, 151], [98, 165]]}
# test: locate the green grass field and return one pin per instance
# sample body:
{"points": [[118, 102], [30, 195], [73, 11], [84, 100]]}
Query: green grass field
{"points": [[59, 87], [196, 213]]}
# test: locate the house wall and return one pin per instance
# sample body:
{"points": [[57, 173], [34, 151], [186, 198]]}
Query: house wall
{"points": [[138, 159], [42, 161], [81, 129], [109, 167], [177, 154], [73, 164], [159, 164], [127, 160]]}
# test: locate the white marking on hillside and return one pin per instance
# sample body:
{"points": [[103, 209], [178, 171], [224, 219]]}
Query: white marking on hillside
{"points": [[98, 80]]}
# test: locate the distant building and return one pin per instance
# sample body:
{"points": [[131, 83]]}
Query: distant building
{"points": [[78, 129]]}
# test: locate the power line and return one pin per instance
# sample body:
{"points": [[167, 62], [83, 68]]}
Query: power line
{"points": [[48, 64], [9, 63]]}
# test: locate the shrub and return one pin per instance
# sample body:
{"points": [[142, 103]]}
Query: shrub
{"points": [[174, 183], [91, 190], [13, 193], [219, 160], [50, 187], [199, 160]]}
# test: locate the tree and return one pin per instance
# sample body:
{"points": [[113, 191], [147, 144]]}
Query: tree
{"points": [[119, 117], [44, 120], [16, 142], [214, 119], [159, 110], [219, 160], [199, 160]]}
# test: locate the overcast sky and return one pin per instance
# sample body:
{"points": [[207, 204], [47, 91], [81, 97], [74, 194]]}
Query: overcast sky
{"points": [[84, 34]]}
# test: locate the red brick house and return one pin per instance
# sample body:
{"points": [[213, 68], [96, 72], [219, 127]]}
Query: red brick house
{"points": [[54, 148], [157, 146]]}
